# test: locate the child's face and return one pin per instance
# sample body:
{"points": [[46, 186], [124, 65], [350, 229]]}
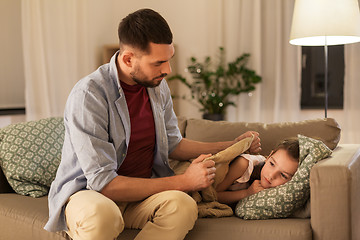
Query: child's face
{"points": [[278, 169]]}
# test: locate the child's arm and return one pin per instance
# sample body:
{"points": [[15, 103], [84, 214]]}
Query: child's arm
{"points": [[236, 169], [228, 197]]}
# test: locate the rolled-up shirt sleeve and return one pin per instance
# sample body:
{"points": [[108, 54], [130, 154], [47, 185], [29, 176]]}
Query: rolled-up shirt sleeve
{"points": [[86, 123], [171, 123]]}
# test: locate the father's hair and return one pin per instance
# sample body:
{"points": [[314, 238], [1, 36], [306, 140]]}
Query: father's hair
{"points": [[140, 28]]}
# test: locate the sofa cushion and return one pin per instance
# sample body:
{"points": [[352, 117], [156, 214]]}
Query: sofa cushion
{"points": [[30, 153], [236, 228], [326, 130], [31, 214], [23, 217], [282, 201]]}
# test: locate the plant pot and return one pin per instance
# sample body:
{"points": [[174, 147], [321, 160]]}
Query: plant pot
{"points": [[213, 117]]}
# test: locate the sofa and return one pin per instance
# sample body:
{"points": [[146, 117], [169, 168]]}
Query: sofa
{"points": [[332, 212]]}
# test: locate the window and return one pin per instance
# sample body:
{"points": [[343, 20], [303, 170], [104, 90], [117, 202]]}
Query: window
{"points": [[313, 77]]}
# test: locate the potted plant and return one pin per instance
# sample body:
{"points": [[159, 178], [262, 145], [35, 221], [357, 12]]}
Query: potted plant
{"points": [[212, 86]]}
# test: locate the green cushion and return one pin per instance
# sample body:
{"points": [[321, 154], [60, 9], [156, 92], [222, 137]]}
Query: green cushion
{"points": [[282, 201], [30, 154]]}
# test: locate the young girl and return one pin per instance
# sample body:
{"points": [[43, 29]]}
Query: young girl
{"points": [[249, 174]]}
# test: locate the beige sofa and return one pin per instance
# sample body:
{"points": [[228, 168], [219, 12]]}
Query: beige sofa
{"points": [[334, 182]]}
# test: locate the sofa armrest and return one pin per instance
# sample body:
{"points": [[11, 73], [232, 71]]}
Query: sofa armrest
{"points": [[335, 193]]}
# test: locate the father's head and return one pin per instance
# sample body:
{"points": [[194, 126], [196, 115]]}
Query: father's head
{"points": [[140, 28], [145, 48]]}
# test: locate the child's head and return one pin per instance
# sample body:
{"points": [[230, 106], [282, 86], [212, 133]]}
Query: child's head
{"points": [[281, 164]]}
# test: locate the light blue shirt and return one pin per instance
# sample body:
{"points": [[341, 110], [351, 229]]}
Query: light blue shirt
{"points": [[97, 133]]}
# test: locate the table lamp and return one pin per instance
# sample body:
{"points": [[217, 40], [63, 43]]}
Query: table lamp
{"points": [[325, 23]]}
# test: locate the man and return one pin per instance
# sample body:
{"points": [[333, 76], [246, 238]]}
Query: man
{"points": [[120, 129]]}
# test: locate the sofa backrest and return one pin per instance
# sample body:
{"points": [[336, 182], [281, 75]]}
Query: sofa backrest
{"points": [[52, 129], [326, 130], [182, 122]]}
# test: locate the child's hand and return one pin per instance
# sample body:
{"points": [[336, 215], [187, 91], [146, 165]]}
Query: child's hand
{"points": [[255, 187]]}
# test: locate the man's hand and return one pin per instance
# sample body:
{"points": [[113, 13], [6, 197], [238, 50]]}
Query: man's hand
{"points": [[255, 145], [255, 187], [200, 174]]}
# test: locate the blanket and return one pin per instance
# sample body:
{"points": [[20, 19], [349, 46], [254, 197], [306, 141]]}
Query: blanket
{"points": [[207, 199]]}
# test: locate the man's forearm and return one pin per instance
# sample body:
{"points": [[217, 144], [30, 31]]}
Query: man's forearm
{"points": [[130, 189], [199, 175], [189, 149]]}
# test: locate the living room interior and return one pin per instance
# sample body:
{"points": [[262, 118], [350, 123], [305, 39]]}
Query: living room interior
{"points": [[49, 46]]}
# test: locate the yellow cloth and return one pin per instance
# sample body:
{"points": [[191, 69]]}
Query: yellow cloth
{"points": [[207, 198]]}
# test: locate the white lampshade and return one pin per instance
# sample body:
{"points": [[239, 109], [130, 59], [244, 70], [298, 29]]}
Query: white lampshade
{"points": [[325, 22]]}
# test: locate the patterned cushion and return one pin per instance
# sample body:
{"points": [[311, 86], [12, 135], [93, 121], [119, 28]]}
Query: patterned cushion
{"points": [[30, 154], [282, 201]]}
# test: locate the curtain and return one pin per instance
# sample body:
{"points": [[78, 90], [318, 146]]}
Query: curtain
{"points": [[53, 40], [351, 127], [262, 28]]}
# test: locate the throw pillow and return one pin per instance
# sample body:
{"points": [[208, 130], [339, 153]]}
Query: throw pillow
{"points": [[282, 201], [30, 154]]}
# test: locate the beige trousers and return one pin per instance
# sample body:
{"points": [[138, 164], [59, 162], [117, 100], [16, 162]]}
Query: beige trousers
{"points": [[166, 215]]}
